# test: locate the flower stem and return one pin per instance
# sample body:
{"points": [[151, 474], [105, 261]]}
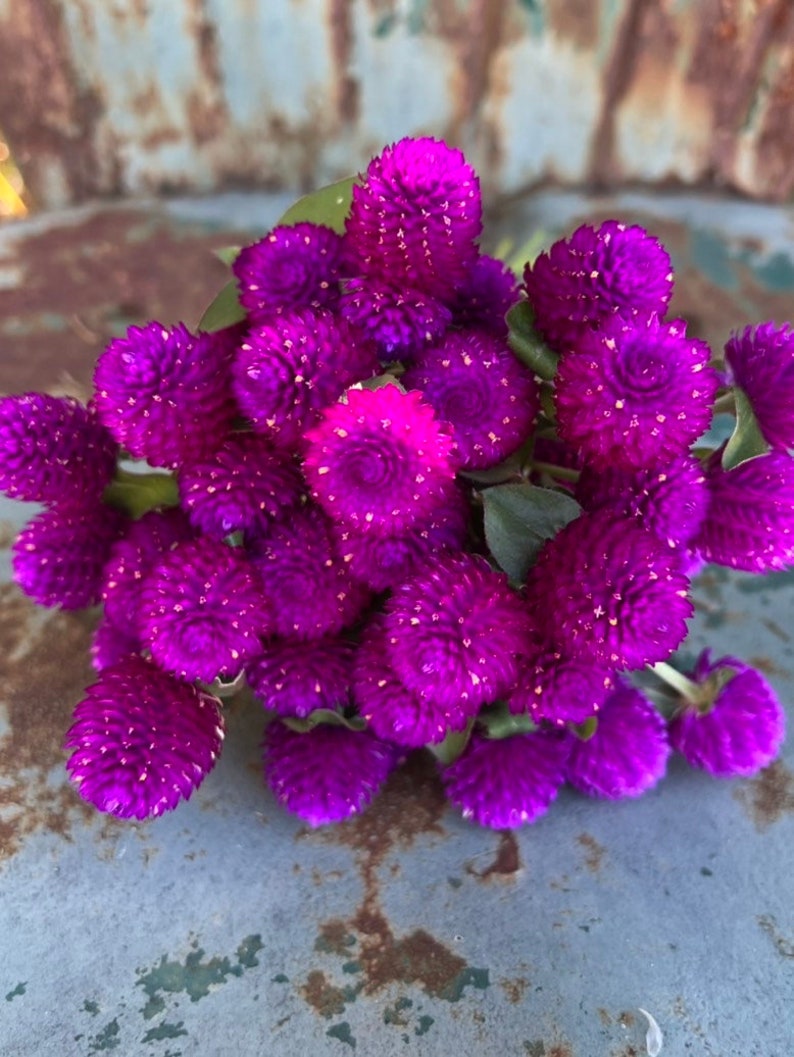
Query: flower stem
{"points": [[563, 472], [685, 686]]}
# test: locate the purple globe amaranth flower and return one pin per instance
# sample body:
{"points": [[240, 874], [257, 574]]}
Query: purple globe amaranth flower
{"points": [[326, 774], [400, 321], [392, 711], [292, 267], [734, 725], [142, 740], [455, 630], [634, 394], [53, 450], [761, 361], [486, 295], [478, 387], [202, 611], [59, 556], [164, 393], [132, 557], [417, 215], [380, 462], [309, 589], [558, 689], [295, 678], [243, 486], [749, 521], [627, 755], [507, 782], [669, 501], [289, 369], [112, 643], [607, 590], [581, 283]]}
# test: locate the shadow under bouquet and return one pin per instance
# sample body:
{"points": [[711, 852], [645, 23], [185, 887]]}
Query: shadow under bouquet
{"points": [[411, 498]]}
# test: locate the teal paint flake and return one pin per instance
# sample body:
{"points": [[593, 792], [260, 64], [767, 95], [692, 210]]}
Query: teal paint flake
{"points": [[425, 1024], [534, 1049], [343, 1033], [768, 582], [106, 1039], [18, 990], [395, 1015], [454, 882], [477, 978], [248, 950], [384, 26], [351, 967], [710, 255], [776, 273], [91, 1007], [164, 1031], [280, 978], [534, 10]]}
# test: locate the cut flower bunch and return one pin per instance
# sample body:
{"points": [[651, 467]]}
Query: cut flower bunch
{"points": [[411, 499]]}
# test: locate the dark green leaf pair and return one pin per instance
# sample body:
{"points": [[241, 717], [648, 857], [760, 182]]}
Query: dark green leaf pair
{"points": [[519, 518]]}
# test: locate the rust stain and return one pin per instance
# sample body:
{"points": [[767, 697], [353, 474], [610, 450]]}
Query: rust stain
{"points": [[323, 997], [769, 797], [577, 21], [627, 1019], [348, 89], [768, 666], [207, 111], [594, 852], [506, 864], [773, 147], [604, 1016], [8, 533], [560, 1049], [514, 988], [335, 937], [783, 945]]}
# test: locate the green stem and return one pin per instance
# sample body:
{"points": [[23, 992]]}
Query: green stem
{"points": [[725, 404], [687, 688], [562, 472], [138, 493]]}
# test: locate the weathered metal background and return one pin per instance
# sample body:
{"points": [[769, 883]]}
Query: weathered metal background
{"points": [[123, 97]]}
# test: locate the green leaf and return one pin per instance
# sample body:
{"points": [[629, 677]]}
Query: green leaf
{"points": [[138, 493], [328, 205], [499, 722], [323, 715], [746, 441], [379, 382], [585, 731], [453, 745], [527, 344], [224, 311], [519, 518], [227, 254]]}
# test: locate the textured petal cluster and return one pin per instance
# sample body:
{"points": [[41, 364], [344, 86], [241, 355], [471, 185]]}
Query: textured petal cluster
{"points": [[488, 293], [294, 678], [558, 689], [761, 362], [399, 320], [142, 740]]}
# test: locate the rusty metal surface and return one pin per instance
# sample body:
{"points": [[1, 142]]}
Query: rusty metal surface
{"points": [[120, 97], [228, 928]]}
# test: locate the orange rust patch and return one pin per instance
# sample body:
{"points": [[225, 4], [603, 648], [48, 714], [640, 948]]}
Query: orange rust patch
{"points": [[507, 862], [514, 988], [768, 797], [594, 852], [322, 996]]}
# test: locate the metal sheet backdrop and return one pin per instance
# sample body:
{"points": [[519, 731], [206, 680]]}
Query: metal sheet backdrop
{"points": [[126, 97]]}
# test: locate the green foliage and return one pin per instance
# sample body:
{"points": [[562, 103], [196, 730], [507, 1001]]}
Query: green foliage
{"points": [[323, 715], [224, 311], [453, 745], [746, 441], [138, 493], [527, 344], [499, 722], [519, 518]]}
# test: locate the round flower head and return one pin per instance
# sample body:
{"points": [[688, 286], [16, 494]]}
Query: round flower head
{"points": [[487, 294], [477, 386], [142, 740], [392, 711], [243, 486], [295, 678], [507, 782], [326, 774], [749, 522], [202, 611], [290, 368], [309, 590], [628, 753], [379, 462], [417, 215], [133, 555], [635, 393], [559, 689], [164, 393], [292, 267], [111, 643], [761, 361], [579, 284], [610, 592], [454, 631], [53, 450], [670, 502], [736, 724], [399, 320], [59, 556]]}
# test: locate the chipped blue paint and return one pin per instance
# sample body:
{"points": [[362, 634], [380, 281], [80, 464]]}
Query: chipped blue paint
{"points": [[709, 254], [18, 990], [343, 1033]]}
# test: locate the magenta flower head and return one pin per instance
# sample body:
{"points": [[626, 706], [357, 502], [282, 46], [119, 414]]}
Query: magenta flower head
{"points": [[112, 643], [581, 283], [417, 215], [202, 611], [628, 753], [294, 678], [558, 689], [142, 740], [608, 590], [455, 631], [734, 724], [292, 267], [399, 320], [635, 393], [164, 393], [380, 462], [53, 450], [478, 387], [290, 368], [487, 294], [59, 556], [243, 486], [761, 362], [669, 501], [392, 711], [507, 782], [326, 774], [749, 522], [309, 590]]}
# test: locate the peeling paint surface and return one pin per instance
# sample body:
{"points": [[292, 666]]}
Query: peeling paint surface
{"points": [[227, 926]]}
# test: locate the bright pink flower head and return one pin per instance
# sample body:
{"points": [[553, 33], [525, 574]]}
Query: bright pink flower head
{"points": [[737, 725], [761, 360], [379, 462], [112, 643], [417, 215], [295, 678], [558, 689], [399, 320], [142, 740], [489, 291]]}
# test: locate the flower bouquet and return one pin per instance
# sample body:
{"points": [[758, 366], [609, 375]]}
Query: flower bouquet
{"points": [[411, 498]]}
